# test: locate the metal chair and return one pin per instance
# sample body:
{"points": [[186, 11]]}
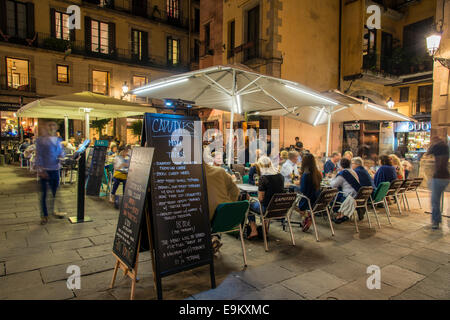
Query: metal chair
{"points": [[392, 192], [280, 207], [402, 192], [229, 217], [413, 188], [321, 205], [361, 199], [379, 197]]}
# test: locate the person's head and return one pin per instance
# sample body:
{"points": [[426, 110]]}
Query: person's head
{"points": [[72, 140], [293, 156], [50, 128], [266, 166], [217, 158], [357, 162], [385, 160], [335, 157], [297, 139], [64, 144], [395, 160], [114, 148], [348, 155], [284, 155], [345, 163], [309, 165]]}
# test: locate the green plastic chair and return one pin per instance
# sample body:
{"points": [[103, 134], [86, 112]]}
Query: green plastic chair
{"points": [[378, 197], [245, 179], [229, 217]]}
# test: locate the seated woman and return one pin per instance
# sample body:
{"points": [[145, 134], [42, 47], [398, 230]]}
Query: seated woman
{"points": [[346, 181], [398, 166], [254, 169], [309, 187], [121, 163], [270, 182], [386, 172]]}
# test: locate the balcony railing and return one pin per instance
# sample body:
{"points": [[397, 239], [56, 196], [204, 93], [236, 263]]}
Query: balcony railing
{"points": [[5, 85], [396, 65], [150, 12], [248, 52], [45, 41]]}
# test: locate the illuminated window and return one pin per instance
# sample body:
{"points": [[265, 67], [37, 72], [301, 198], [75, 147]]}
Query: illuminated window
{"points": [[100, 82], [139, 81], [99, 37], [173, 51], [17, 73], [173, 9], [62, 73], [62, 25], [139, 44]]}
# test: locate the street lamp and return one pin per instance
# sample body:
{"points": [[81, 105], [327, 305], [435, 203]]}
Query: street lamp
{"points": [[390, 103], [433, 43], [124, 88]]}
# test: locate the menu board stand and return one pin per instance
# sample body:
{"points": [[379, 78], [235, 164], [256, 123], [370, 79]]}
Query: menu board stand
{"points": [[178, 205]]}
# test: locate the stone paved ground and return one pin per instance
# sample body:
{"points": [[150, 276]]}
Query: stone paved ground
{"points": [[414, 260]]}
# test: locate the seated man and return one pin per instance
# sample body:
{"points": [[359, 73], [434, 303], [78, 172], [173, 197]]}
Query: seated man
{"points": [[221, 189], [332, 164], [365, 180], [346, 181], [290, 170]]}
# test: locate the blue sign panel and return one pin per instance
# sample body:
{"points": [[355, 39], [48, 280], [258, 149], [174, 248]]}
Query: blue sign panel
{"points": [[413, 126]]}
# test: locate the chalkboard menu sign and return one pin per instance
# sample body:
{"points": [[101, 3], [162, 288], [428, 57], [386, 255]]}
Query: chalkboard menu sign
{"points": [[131, 217], [96, 170], [179, 207]]}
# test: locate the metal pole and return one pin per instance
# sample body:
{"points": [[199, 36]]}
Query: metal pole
{"points": [[66, 128], [86, 124], [328, 132], [233, 106]]}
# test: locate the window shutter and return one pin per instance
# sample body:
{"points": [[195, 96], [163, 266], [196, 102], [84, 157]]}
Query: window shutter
{"points": [[169, 50], [144, 46], [53, 22], [30, 20], [112, 38], [87, 34], [3, 27]]}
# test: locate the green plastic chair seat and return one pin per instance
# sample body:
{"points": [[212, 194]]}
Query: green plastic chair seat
{"points": [[229, 216], [245, 179], [381, 192]]}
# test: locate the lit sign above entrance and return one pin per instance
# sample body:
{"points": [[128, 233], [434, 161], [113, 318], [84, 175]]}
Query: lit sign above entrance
{"points": [[413, 126]]}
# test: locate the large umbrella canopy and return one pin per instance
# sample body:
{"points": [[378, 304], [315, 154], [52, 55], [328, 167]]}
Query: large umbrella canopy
{"points": [[76, 105], [348, 109], [233, 88]]}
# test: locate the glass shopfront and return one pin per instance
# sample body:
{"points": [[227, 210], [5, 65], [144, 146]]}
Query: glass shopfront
{"points": [[412, 139]]}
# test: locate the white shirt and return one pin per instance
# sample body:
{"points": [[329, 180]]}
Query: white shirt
{"points": [[286, 170], [339, 181]]}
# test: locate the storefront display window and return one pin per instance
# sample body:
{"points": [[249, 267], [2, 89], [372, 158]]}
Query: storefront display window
{"points": [[412, 139]]}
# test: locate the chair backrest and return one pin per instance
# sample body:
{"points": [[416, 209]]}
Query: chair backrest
{"points": [[363, 195], [238, 176], [280, 204], [394, 186], [245, 179], [229, 216], [324, 199], [405, 186], [415, 184], [381, 191]]}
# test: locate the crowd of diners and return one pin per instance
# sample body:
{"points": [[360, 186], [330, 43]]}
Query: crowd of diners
{"points": [[302, 172]]}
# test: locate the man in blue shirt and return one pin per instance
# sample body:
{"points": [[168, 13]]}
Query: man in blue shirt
{"points": [[49, 151], [331, 165], [365, 180]]}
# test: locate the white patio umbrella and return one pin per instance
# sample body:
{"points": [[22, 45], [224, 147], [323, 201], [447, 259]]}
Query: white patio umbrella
{"points": [[348, 109], [82, 106], [236, 89]]}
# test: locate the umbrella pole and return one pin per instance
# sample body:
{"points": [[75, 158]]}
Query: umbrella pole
{"points": [[328, 133], [230, 138], [66, 128], [86, 124]]}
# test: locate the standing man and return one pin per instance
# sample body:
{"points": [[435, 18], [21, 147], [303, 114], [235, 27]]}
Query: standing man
{"points": [[439, 149], [298, 143], [48, 154]]}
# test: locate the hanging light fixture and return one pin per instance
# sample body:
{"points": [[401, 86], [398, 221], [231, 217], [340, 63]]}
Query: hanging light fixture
{"points": [[390, 103], [433, 43], [125, 88]]}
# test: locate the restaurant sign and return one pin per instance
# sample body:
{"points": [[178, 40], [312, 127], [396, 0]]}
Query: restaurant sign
{"points": [[413, 126]]}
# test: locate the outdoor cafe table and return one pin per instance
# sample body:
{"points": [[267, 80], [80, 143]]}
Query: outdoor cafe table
{"points": [[247, 187]]}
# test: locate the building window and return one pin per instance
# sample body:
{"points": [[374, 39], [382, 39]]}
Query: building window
{"points": [[196, 50], [369, 48], [61, 25], [252, 34], [404, 94], [173, 9], [139, 81], [196, 20], [424, 99], [17, 73], [139, 45], [207, 37], [100, 82], [231, 38], [16, 21], [62, 73], [99, 37], [173, 51]]}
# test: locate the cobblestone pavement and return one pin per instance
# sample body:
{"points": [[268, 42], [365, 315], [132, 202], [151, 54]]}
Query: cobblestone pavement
{"points": [[414, 260]]}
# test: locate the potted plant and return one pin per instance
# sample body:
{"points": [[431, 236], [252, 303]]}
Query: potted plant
{"points": [[136, 129]]}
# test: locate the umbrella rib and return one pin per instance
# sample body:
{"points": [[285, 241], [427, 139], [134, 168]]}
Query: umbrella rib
{"points": [[208, 87], [215, 83], [248, 85]]}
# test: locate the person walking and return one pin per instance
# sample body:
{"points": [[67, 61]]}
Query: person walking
{"points": [[49, 151], [440, 150]]}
